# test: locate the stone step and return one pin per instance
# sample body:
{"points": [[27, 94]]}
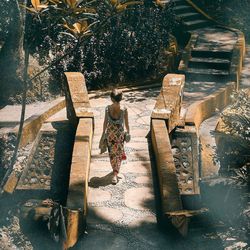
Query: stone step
{"points": [[189, 16], [193, 74], [208, 71], [209, 62], [178, 2], [182, 9], [211, 53], [197, 24]]}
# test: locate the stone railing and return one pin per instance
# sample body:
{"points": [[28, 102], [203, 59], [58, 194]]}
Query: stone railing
{"points": [[78, 111], [199, 111], [238, 55], [164, 119]]}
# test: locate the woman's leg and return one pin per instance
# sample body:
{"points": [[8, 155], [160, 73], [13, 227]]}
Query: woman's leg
{"points": [[115, 161]]}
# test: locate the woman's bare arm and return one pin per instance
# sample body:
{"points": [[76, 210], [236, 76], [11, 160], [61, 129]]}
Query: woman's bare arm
{"points": [[105, 122], [126, 120]]}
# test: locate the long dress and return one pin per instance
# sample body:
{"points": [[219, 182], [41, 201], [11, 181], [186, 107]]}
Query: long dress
{"points": [[115, 139]]}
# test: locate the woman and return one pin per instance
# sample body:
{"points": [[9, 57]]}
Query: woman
{"points": [[113, 131]]}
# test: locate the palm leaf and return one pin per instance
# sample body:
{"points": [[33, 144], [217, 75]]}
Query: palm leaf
{"points": [[29, 9], [35, 4], [68, 34]]}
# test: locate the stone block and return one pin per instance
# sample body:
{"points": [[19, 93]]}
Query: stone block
{"points": [[170, 195], [185, 149], [34, 123], [168, 103], [78, 183], [201, 110], [77, 96], [75, 226]]}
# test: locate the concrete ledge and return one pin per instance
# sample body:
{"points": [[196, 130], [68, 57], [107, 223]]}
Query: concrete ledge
{"points": [[168, 103], [210, 167], [77, 98], [185, 145], [80, 115], [237, 58], [169, 191], [33, 124], [78, 183], [14, 176], [201, 110]]}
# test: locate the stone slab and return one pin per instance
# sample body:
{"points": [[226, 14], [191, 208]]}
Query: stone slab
{"points": [[97, 215], [78, 182], [146, 230], [168, 102], [98, 195], [100, 239], [169, 190], [139, 198], [185, 149], [136, 167], [33, 124], [103, 178], [144, 180]]}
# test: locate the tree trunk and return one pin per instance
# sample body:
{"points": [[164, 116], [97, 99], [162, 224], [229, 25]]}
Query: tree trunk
{"points": [[11, 54]]}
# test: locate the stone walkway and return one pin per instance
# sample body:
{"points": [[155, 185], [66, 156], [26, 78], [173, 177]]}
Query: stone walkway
{"points": [[123, 216], [10, 114]]}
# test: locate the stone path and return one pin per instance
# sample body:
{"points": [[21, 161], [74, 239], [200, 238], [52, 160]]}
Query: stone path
{"points": [[10, 114], [123, 216]]}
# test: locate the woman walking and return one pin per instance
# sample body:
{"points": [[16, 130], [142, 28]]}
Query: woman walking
{"points": [[113, 132]]}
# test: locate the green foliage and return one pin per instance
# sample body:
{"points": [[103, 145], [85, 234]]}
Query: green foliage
{"points": [[115, 45], [233, 136], [237, 117]]}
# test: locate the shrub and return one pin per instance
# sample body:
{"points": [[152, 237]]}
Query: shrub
{"points": [[127, 49]]}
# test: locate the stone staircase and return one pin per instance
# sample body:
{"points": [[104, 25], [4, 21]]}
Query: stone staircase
{"points": [[210, 55], [209, 64], [189, 16]]}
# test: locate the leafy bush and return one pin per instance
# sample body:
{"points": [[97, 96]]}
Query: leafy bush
{"points": [[236, 117], [234, 134], [128, 48]]}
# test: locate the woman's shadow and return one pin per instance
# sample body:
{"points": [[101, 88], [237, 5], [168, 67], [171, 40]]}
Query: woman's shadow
{"points": [[96, 182]]}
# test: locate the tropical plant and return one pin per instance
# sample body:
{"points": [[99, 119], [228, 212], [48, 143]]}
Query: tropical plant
{"points": [[234, 135], [236, 117], [77, 34], [80, 18]]}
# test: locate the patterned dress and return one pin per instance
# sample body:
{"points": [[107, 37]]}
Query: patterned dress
{"points": [[115, 138]]}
